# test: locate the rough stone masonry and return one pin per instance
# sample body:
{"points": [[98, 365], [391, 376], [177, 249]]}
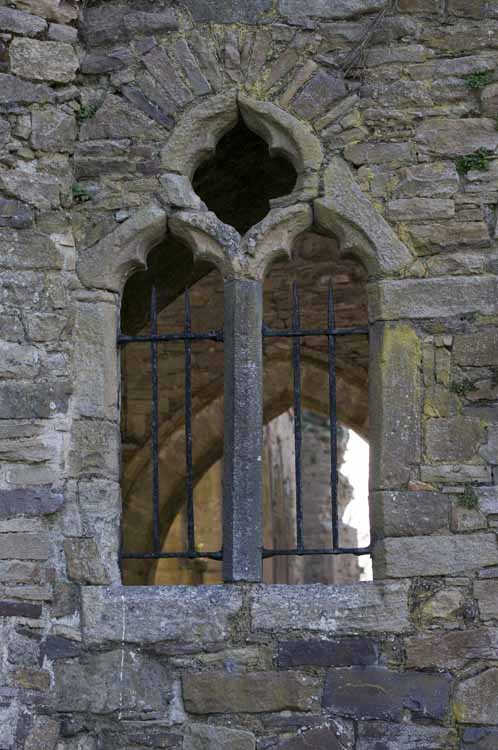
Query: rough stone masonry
{"points": [[391, 111]]}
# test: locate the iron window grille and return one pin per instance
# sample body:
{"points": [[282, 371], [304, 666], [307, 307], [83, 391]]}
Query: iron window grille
{"points": [[297, 334]]}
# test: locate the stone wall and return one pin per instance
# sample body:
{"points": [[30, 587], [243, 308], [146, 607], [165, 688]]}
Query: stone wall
{"points": [[389, 112]]}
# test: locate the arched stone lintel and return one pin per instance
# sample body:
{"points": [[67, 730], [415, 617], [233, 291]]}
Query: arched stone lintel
{"points": [[345, 211], [248, 257], [199, 130], [108, 263]]}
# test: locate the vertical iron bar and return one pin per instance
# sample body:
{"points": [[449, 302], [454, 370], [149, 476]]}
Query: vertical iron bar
{"points": [[243, 441], [296, 366], [155, 425], [334, 476], [188, 426]]}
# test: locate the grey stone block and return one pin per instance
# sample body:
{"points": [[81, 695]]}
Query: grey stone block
{"points": [[325, 9], [486, 593], [83, 562], [452, 440], [228, 11], [319, 93], [21, 23], [208, 737], [116, 119], [387, 736], [476, 698], [339, 652], [410, 513], [433, 298], [53, 130], [38, 189], [479, 738], [452, 137], [323, 738], [255, 692], [24, 546], [179, 613], [35, 502], [435, 555], [43, 61], [451, 650], [28, 250], [32, 401], [378, 693], [15, 214], [14, 91], [20, 609], [115, 681], [363, 607]]}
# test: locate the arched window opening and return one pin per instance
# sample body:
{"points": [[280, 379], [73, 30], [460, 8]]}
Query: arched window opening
{"points": [[239, 180], [165, 385]]}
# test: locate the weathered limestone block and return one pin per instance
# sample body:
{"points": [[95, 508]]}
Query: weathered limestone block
{"points": [[410, 513], [435, 555], [479, 739], [403, 736], [193, 614], [361, 607], [94, 449], [15, 214], [43, 734], [435, 236], [100, 511], [420, 209], [444, 606], [83, 562], [96, 363], [14, 91], [450, 137], [14, 571], [114, 681], [395, 394], [453, 439], [322, 90], [37, 189], [452, 649], [428, 180], [476, 349], [339, 652], [208, 737], [488, 500], [324, 738], [486, 593], [433, 298], [62, 11], [58, 32], [39, 502], [53, 130], [254, 692], [228, 11], [489, 100], [20, 361], [476, 699], [24, 546], [21, 23], [324, 9], [115, 119], [379, 693], [33, 401], [379, 153], [43, 61]]}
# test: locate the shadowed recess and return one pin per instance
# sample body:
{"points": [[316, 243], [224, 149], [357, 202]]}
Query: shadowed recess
{"points": [[239, 180]]}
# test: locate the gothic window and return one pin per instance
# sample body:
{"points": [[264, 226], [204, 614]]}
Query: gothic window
{"points": [[238, 398]]}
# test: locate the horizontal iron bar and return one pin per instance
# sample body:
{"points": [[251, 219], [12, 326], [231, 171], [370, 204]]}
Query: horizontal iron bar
{"points": [[303, 552], [276, 333], [171, 555], [208, 336]]}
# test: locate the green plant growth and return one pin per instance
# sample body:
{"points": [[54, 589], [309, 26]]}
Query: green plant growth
{"points": [[86, 111], [479, 79], [468, 499], [478, 161], [80, 193], [461, 389]]}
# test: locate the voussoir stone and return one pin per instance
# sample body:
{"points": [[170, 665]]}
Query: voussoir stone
{"points": [[43, 61], [379, 693], [436, 555], [254, 692], [180, 613], [319, 93], [359, 607], [452, 649], [451, 137], [20, 22], [476, 699]]}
